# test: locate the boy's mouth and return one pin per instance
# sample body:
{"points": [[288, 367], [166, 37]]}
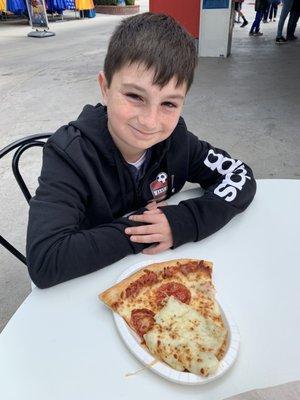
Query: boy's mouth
{"points": [[138, 131]]}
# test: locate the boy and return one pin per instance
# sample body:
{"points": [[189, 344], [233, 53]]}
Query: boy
{"points": [[128, 156]]}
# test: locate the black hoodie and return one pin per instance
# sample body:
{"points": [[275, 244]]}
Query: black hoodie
{"points": [[76, 219]]}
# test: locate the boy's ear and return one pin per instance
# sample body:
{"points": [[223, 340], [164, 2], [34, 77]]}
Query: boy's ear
{"points": [[103, 86]]}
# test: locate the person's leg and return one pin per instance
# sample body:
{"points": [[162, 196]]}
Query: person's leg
{"points": [[275, 11], [256, 23], [272, 9], [245, 22], [253, 24], [236, 11], [266, 12], [259, 18], [286, 7], [294, 16]]}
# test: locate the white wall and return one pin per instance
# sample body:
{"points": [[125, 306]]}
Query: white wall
{"points": [[215, 32]]}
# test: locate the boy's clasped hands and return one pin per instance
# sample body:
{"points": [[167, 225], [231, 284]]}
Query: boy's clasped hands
{"points": [[157, 231]]}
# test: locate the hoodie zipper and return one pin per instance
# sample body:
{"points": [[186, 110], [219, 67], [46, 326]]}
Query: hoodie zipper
{"points": [[145, 179]]}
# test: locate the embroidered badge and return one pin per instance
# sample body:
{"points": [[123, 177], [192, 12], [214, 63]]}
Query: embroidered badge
{"points": [[159, 187]]}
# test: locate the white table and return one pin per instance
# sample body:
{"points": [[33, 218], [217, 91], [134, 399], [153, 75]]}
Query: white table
{"points": [[62, 342]]}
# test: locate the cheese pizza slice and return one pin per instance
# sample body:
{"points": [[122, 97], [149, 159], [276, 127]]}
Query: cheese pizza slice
{"points": [[172, 307]]}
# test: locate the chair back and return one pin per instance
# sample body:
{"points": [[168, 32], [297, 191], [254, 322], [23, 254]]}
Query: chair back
{"points": [[20, 146]]}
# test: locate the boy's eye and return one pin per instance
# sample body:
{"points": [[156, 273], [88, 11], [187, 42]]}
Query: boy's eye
{"points": [[169, 104], [133, 96]]}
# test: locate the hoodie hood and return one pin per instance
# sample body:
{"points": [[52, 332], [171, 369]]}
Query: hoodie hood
{"points": [[92, 123]]}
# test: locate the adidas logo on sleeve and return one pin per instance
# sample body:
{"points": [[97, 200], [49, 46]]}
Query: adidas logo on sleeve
{"points": [[234, 171]]}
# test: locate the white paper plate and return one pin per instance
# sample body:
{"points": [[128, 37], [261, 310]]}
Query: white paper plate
{"points": [[132, 341]]}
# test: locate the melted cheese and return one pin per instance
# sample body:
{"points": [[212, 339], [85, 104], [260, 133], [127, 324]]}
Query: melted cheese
{"points": [[185, 339]]}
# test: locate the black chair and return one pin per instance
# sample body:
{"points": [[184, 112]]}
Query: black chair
{"points": [[21, 145]]}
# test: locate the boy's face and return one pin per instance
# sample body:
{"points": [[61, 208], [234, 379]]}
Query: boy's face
{"points": [[140, 114]]}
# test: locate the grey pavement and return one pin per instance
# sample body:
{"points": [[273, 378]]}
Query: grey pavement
{"points": [[247, 104]]}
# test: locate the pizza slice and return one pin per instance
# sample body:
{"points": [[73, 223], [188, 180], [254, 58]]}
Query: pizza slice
{"points": [[172, 307]]}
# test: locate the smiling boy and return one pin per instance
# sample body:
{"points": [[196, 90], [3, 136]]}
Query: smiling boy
{"points": [[127, 156]]}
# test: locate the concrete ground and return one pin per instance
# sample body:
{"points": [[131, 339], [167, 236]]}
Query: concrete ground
{"points": [[247, 104]]}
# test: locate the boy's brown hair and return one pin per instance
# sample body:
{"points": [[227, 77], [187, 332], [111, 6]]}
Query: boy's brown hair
{"points": [[157, 41]]}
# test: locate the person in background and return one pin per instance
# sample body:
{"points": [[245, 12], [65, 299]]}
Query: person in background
{"points": [[266, 11], [286, 8], [260, 6], [238, 8], [293, 20], [273, 10]]}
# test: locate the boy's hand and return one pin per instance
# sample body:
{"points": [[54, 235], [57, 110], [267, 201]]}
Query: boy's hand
{"points": [[157, 231]]}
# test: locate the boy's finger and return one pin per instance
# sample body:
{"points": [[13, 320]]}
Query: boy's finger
{"points": [[162, 204], [154, 211], [151, 218], [152, 205], [154, 238], [141, 230]]}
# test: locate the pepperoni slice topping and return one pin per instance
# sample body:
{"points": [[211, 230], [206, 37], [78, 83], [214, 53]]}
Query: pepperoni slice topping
{"points": [[175, 289], [142, 320]]}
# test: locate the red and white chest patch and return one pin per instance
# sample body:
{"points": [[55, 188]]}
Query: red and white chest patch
{"points": [[159, 187]]}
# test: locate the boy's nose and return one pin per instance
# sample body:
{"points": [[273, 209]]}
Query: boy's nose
{"points": [[148, 119]]}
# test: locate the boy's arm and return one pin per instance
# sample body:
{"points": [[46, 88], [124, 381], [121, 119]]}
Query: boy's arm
{"points": [[229, 188], [57, 250]]}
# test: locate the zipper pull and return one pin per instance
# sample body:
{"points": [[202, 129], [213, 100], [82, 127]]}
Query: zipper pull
{"points": [[172, 189]]}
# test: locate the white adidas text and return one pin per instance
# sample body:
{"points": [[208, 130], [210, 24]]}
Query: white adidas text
{"points": [[228, 187]]}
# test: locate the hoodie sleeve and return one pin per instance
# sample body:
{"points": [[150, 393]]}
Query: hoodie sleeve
{"points": [[229, 187], [57, 250]]}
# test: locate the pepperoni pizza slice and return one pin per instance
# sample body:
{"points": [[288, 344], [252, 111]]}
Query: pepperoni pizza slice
{"points": [[172, 307]]}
